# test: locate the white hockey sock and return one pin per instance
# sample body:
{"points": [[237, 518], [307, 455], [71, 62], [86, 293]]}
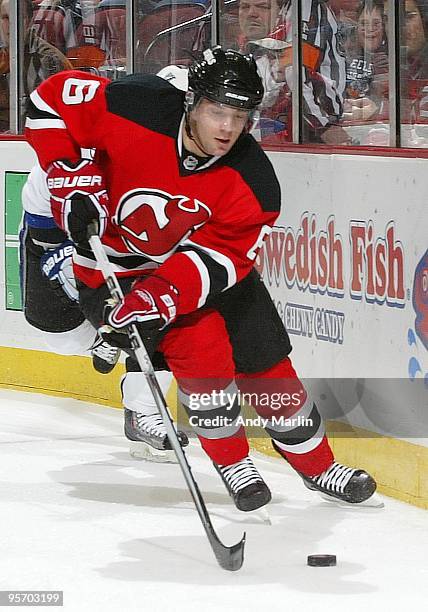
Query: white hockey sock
{"points": [[136, 394]]}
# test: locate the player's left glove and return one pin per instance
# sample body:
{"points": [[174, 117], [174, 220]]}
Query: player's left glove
{"points": [[152, 303], [56, 264]]}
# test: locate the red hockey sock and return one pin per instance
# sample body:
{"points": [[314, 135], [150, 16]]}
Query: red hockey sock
{"points": [[226, 451], [313, 462]]}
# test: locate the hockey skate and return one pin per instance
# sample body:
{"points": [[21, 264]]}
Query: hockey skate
{"points": [[104, 356], [148, 438], [244, 484], [340, 483]]}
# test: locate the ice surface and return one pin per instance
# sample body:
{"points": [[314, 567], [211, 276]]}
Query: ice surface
{"points": [[78, 514]]}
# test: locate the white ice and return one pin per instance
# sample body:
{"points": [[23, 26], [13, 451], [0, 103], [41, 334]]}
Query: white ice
{"points": [[78, 514]]}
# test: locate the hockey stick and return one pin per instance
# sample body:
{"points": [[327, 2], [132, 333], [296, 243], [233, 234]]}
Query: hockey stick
{"points": [[228, 557]]}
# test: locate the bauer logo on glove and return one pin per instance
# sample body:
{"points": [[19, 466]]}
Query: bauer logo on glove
{"points": [[53, 259], [78, 197], [152, 303], [56, 264], [75, 181]]}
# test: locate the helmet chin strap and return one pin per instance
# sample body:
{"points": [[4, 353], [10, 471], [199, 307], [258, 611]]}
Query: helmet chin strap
{"points": [[193, 137]]}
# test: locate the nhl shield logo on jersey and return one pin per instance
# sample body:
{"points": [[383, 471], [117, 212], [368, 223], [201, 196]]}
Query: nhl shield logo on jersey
{"points": [[190, 162], [153, 223]]}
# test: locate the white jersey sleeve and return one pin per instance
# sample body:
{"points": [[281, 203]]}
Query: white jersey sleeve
{"points": [[35, 193]]}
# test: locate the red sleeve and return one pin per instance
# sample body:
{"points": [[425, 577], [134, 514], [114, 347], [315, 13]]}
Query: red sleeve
{"points": [[65, 114], [219, 254]]}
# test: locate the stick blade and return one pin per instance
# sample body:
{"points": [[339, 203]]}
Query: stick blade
{"points": [[229, 558]]}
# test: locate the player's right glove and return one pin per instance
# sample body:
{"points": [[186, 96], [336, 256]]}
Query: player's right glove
{"points": [[56, 264], [152, 303], [78, 197]]}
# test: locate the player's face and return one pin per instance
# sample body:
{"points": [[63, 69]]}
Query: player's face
{"points": [[216, 127], [257, 17]]}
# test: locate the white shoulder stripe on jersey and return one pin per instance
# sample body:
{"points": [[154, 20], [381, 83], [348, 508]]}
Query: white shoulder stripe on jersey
{"points": [[218, 257], [42, 124], [39, 103], [203, 273]]}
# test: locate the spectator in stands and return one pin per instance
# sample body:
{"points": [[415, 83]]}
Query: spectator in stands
{"points": [[41, 60], [345, 12], [70, 26], [257, 18], [367, 65], [266, 31], [110, 24], [58, 22], [415, 35], [414, 76]]}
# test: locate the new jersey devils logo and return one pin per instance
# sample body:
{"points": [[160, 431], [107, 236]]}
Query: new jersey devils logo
{"points": [[153, 222]]}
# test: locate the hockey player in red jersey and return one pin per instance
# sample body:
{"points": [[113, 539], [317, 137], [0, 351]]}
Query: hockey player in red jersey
{"points": [[183, 197]]}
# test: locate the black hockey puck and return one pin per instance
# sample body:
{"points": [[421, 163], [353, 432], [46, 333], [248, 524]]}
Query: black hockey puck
{"points": [[321, 560]]}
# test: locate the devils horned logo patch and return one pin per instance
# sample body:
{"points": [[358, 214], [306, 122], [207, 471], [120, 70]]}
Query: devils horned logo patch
{"points": [[153, 222]]}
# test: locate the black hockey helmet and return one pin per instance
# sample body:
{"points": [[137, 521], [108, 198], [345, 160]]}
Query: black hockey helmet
{"points": [[228, 77]]}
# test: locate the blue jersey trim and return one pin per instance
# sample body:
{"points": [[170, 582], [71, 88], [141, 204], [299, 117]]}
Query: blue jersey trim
{"points": [[39, 221]]}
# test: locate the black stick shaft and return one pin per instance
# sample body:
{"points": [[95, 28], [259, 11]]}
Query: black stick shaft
{"points": [[229, 558]]}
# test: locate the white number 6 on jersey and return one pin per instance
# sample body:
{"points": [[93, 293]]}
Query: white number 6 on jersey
{"points": [[77, 91]]}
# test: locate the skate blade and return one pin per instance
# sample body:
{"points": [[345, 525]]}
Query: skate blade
{"points": [[142, 450], [372, 502], [263, 514]]}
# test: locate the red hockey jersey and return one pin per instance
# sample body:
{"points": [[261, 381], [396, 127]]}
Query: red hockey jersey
{"points": [[198, 227]]}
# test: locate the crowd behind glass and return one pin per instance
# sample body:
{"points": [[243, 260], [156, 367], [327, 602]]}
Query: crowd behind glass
{"points": [[345, 97]]}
